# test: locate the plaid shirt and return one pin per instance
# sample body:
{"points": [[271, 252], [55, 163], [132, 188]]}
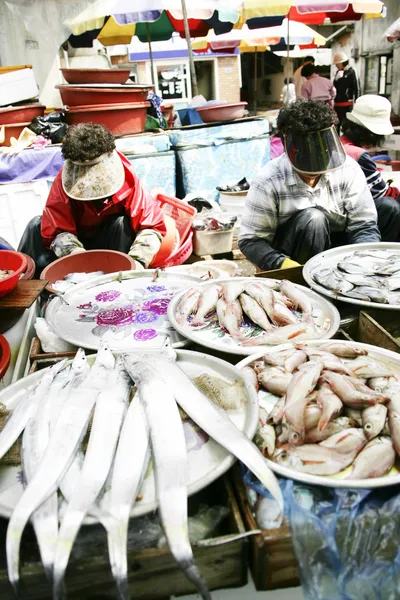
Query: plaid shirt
{"points": [[277, 193]]}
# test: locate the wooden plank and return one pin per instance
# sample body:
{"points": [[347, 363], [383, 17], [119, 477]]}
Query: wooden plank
{"points": [[295, 274], [370, 332], [24, 295]]}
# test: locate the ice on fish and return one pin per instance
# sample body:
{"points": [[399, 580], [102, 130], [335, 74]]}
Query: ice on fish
{"points": [[71, 279]]}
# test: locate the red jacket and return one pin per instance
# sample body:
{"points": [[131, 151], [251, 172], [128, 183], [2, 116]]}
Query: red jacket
{"points": [[62, 214]]}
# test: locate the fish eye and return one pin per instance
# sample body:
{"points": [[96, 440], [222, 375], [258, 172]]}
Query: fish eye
{"points": [[368, 427], [283, 455], [295, 437]]}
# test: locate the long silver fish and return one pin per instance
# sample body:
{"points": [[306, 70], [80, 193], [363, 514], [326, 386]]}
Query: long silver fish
{"points": [[254, 311], [217, 424], [170, 461], [111, 405], [25, 408], [373, 420], [375, 460], [64, 441]]}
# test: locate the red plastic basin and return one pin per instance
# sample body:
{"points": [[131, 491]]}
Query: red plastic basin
{"points": [[108, 261], [75, 95], [21, 114], [15, 261], [95, 75], [222, 112], [13, 130], [5, 356], [120, 119]]}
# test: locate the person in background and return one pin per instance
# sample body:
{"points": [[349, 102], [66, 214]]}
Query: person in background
{"points": [[347, 86], [317, 87], [308, 199], [96, 202], [288, 94], [363, 128], [298, 78]]}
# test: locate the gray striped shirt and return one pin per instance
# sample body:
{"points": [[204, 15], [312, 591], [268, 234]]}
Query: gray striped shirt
{"points": [[277, 193]]}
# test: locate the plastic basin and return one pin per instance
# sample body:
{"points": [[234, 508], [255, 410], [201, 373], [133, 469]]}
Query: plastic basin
{"points": [[75, 95], [95, 75], [17, 263], [13, 130], [120, 119], [222, 112], [109, 261], [21, 114], [169, 245], [5, 356]]}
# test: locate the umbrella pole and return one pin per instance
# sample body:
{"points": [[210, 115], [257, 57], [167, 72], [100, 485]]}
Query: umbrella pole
{"points": [[287, 62], [189, 45], [255, 82], [150, 52]]}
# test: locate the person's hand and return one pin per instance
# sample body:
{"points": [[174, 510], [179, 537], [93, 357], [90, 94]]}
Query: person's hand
{"points": [[138, 266], [77, 251], [288, 263]]}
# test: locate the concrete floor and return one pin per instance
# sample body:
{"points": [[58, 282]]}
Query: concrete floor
{"points": [[249, 593]]}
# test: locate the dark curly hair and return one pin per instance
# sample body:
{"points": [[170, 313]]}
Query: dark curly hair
{"points": [[303, 116], [308, 70], [87, 141], [361, 136]]}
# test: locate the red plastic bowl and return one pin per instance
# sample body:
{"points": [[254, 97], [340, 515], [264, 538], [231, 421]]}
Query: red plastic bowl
{"points": [[5, 356], [75, 95], [21, 114], [13, 130], [95, 75], [222, 112], [108, 261], [15, 261], [120, 119]]}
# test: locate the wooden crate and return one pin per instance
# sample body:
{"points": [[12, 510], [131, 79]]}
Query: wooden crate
{"points": [[153, 573], [273, 564]]}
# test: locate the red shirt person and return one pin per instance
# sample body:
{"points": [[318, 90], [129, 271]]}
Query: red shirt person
{"points": [[95, 202]]}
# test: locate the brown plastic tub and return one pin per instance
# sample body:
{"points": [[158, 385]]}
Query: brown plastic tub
{"points": [[222, 112], [120, 119], [12, 130], [21, 114], [75, 95], [95, 75]]}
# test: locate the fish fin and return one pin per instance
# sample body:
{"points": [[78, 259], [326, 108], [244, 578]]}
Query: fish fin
{"points": [[294, 335], [322, 423], [313, 462]]}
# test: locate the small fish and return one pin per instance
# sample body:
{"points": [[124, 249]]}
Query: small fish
{"points": [[374, 294], [294, 360], [312, 460], [265, 439], [342, 349], [357, 295], [378, 384], [329, 361], [328, 279], [275, 416], [282, 315], [301, 385], [227, 395], [230, 317], [251, 376], [349, 441], [263, 295], [394, 421], [275, 380], [187, 305], [373, 420], [354, 268], [300, 300], [348, 393], [354, 414], [314, 435], [393, 283], [232, 290], [283, 334], [364, 366], [363, 281], [277, 359], [254, 311], [375, 460], [207, 304], [330, 404], [390, 268], [312, 415]]}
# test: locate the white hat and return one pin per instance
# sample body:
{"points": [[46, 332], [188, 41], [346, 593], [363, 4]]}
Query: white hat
{"points": [[93, 179], [373, 113], [340, 57]]}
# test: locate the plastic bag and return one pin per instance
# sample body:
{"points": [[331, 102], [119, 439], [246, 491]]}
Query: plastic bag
{"points": [[203, 524], [51, 126], [345, 541]]}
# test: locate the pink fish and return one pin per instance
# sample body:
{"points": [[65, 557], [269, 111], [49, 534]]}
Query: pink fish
{"points": [[301, 385], [313, 460], [330, 404], [375, 460], [348, 441]]}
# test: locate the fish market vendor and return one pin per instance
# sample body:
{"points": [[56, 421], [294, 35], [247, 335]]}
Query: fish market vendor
{"points": [[95, 202], [365, 127], [308, 199]]}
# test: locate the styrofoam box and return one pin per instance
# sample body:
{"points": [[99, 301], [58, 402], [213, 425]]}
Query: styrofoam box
{"points": [[17, 85], [212, 242]]}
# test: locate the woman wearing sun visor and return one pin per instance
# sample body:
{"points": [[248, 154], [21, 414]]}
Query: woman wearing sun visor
{"points": [[308, 199]]}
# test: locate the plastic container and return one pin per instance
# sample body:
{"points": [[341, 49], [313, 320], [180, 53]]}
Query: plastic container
{"points": [[78, 95], [15, 261], [222, 112], [21, 114], [109, 261], [12, 130], [182, 254], [180, 211], [212, 242], [17, 86], [5, 356], [120, 119], [95, 75], [170, 244]]}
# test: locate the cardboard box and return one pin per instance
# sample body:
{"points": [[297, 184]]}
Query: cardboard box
{"points": [[17, 86]]}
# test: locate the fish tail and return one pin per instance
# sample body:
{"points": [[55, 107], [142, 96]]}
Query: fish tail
{"points": [[13, 543], [192, 573], [58, 586], [117, 550]]}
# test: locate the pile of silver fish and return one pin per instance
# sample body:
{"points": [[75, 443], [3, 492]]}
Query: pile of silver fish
{"points": [[371, 276], [280, 308], [131, 405], [330, 407]]}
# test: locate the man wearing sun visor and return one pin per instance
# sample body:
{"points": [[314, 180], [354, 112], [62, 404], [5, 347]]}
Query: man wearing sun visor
{"points": [[95, 202], [308, 199]]}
